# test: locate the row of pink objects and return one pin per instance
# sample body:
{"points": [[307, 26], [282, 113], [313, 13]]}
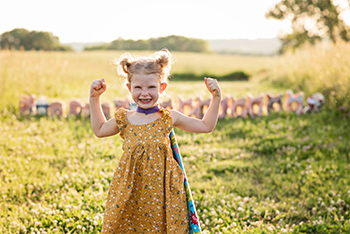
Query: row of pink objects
{"points": [[230, 106]]}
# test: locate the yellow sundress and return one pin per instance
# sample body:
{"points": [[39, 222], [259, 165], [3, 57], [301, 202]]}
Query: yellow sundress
{"points": [[147, 192]]}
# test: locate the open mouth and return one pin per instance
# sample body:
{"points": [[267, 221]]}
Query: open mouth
{"points": [[145, 100]]}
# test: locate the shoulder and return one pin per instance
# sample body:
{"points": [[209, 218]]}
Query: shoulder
{"points": [[164, 110], [183, 121], [166, 113], [175, 115], [120, 110], [170, 113], [120, 114], [167, 118]]}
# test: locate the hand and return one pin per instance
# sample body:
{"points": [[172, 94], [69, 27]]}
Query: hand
{"points": [[98, 87], [213, 86]]}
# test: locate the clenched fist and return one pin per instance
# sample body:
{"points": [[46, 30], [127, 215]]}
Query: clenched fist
{"points": [[98, 87], [213, 86]]}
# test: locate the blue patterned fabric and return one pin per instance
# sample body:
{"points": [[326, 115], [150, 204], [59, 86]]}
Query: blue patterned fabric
{"points": [[193, 217]]}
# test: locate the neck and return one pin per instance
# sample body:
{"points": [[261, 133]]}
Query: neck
{"points": [[147, 111]]}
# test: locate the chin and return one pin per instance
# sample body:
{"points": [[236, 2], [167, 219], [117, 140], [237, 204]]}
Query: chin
{"points": [[146, 106]]}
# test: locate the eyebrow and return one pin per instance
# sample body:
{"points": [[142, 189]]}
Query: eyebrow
{"points": [[137, 84]]}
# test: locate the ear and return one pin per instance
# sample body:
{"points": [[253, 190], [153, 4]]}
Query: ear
{"points": [[163, 86], [129, 87]]}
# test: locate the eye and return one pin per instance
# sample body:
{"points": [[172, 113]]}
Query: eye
{"points": [[137, 87], [152, 87]]}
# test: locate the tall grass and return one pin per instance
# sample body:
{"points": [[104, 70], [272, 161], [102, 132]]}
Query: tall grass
{"points": [[324, 69], [53, 74], [68, 75]]}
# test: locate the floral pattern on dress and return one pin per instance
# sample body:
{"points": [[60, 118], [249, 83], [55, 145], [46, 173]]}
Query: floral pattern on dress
{"points": [[147, 193]]}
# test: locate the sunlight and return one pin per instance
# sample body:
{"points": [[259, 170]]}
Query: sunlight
{"points": [[82, 21]]}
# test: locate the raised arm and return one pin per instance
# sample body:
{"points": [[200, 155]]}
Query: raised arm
{"points": [[100, 126], [208, 122]]}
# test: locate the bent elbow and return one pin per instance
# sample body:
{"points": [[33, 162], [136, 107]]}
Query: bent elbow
{"points": [[99, 135], [209, 130]]}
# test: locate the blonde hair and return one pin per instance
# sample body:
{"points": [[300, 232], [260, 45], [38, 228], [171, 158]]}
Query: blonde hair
{"points": [[159, 63]]}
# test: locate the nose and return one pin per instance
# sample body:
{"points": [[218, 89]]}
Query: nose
{"points": [[144, 92]]}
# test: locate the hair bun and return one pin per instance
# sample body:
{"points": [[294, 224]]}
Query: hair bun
{"points": [[163, 58], [124, 62], [159, 63]]}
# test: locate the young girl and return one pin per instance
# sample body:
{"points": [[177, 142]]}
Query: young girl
{"points": [[147, 192]]}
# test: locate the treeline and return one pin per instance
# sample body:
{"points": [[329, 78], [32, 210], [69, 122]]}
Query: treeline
{"points": [[22, 39], [325, 16], [173, 43], [233, 76]]}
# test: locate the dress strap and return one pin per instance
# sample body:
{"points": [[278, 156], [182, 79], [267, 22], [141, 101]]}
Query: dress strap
{"points": [[168, 121], [120, 117]]}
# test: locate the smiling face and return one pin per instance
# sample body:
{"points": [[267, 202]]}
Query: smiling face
{"points": [[146, 89]]}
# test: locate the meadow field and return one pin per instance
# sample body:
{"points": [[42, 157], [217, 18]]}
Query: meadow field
{"points": [[65, 76], [277, 173]]}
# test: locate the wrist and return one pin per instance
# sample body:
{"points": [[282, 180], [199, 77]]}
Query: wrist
{"points": [[217, 96], [94, 98]]}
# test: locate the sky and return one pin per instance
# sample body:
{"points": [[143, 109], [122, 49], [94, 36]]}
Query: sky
{"points": [[107, 20]]}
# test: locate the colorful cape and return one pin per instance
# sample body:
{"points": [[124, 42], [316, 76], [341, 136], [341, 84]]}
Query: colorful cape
{"points": [[193, 217]]}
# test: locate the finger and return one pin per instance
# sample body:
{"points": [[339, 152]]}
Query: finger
{"points": [[104, 84], [212, 83], [99, 88], [207, 82], [98, 85], [95, 86], [211, 80], [215, 89]]}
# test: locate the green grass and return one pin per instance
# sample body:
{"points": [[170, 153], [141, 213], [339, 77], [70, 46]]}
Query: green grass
{"points": [[273, 174], [233, 76], [280, 173]]}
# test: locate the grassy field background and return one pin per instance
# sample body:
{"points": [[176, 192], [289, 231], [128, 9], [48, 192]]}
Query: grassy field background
{"points": [[278, 173], [68, 75]]}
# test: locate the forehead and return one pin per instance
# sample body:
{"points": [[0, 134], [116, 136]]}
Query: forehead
{"points": [[142, 78]]}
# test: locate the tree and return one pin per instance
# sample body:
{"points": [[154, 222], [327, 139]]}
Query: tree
{"points": [[311, 20], [14, 39], [172, 42], [21, 38], [43, 40], [179, 43]]}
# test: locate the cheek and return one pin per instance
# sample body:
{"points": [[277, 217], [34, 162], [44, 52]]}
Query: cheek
{"points": [[154, 92], [135, 95], [136, 92]]}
